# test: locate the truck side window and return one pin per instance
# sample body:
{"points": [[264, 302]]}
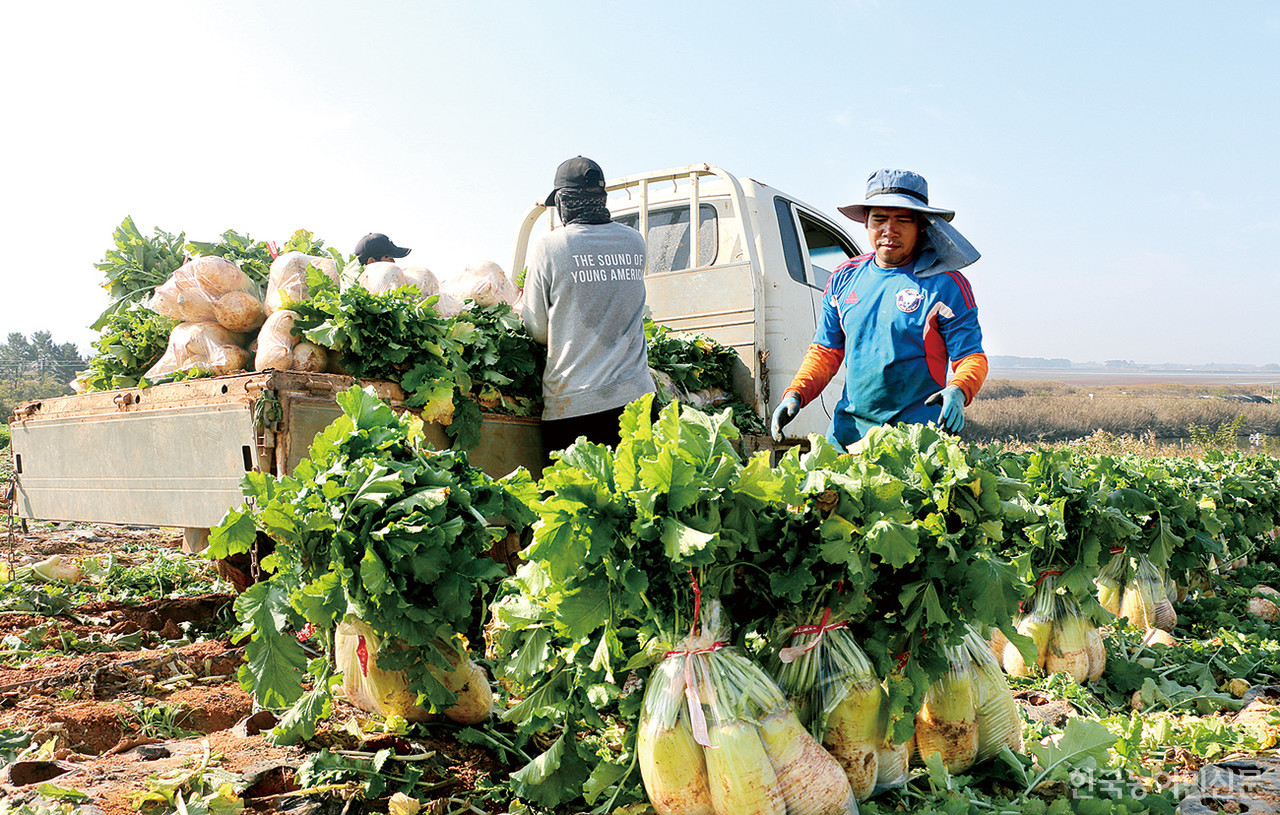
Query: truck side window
{"points": [[812, 249], [667, 243]]}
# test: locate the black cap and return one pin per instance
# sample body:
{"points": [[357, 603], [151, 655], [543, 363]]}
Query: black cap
{"points": [[377, 245], [577, 173]]}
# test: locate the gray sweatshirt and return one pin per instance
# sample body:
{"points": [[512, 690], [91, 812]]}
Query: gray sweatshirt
{"points": [[584, 299]]}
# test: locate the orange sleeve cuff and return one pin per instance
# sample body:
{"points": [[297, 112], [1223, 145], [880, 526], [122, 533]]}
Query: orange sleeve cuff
{"points": [[819, 365], [969, 373]]}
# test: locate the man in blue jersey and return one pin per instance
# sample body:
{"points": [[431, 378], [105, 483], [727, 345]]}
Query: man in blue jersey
{"points": [[897, 318]]}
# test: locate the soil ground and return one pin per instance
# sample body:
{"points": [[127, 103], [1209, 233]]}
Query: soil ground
{"points": [[98, 705]]}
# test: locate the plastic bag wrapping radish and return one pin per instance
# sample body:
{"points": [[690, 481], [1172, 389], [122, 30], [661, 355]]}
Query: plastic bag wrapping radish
{"points": [[356, 648], [279, 348], [287, 279], [717, 735], [1145, 599], [210, 289], [840, 699], [276, 342], [423, 279], [483, 283], [382, 277], [1066, 640], [206, 346], [947, 723], [446, 305], [999, 724]]}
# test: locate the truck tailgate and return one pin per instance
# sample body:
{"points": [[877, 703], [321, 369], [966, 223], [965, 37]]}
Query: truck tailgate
{"points": [[174, 454], [177, 467]]}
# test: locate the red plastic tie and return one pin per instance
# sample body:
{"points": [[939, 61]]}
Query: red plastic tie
{"points": [[1047, 573], [821, 627], [715, 646], [362, 651], [903, 658], [697, 599], [308, 631], [792, 653], [1115, 550], [271, 247]]}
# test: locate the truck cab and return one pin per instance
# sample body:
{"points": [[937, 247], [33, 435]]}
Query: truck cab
{"points": [[751, 276]]}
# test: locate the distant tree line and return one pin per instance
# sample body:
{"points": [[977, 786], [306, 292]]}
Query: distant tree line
{"points": [[1007, 361], [36, 368]]}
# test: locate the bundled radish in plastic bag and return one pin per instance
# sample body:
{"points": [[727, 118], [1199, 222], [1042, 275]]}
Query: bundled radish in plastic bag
{"points": [[672, 765], [239, 311], [276, 346], [287, 279], [1145, 601], [1111, 580], [1075, 646], [716, 735], [206, 346], [833, 687], [210, 289], [164, 299], [448, 306], [368, 687], [1038, 626], [383, 276], [276, 342], [213, 275], [947, 723], [356, 647], [423, 279], [310, 358], [483, 283], [996, 712], [1066, 640]]}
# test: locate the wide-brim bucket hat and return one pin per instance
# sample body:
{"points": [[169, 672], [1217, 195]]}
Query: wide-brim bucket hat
{"points": [[945, 249], [896, 188]]}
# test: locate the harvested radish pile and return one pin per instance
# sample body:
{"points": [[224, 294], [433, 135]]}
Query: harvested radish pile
{"points": [[930, 612], [453, 343], [379, 562], [913, 626]]}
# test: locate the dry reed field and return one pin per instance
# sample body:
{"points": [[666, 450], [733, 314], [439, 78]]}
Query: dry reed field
{"points": [[1157, 417]]}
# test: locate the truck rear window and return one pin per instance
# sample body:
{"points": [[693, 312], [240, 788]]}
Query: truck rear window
{"points": [[667, 243]]}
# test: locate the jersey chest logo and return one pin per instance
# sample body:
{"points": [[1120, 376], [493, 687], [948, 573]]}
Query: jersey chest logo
{"points": [[909, 300]]}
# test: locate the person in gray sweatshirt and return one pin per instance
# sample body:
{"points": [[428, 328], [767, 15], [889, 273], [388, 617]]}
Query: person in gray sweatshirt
{"points": [[584, 298]]}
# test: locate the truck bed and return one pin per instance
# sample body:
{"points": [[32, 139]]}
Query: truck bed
{"points": [[174, 454]]}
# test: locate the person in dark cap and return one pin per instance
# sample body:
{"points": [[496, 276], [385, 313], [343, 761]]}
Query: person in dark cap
{"points": [[584, 299], [376, 247], [895, 318]]}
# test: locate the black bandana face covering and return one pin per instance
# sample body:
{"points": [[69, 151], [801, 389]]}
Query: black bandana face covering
{"points": [[582, 206]]}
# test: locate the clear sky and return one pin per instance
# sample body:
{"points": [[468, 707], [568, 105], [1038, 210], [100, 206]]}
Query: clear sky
{"points": [[1117, 163]]}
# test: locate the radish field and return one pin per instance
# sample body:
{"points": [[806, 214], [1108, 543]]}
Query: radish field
{"points": [[914, 626]]}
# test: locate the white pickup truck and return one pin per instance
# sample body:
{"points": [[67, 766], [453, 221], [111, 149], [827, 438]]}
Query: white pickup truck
{"points": [[750, 276]]}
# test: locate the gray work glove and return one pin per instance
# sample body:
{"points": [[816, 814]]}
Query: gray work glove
{"points": [[783, 414], [952, 401]]}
